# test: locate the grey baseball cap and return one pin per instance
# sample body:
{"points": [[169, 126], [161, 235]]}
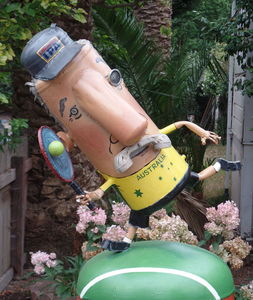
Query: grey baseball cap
{"points": [[48, 52]]}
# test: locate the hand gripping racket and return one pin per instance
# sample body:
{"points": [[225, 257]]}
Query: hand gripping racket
{"points": [[60, 165]]}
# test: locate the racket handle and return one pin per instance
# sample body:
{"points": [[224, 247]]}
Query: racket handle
{"points": [[79, 191]]}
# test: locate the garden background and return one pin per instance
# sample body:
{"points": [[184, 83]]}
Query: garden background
{"points": [[173, 56]]}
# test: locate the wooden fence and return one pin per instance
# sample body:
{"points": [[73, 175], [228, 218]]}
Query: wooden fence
{"points": [[13, 193]]}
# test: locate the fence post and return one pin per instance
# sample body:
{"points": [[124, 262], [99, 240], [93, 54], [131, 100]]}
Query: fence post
{"points": [[18, 210]]}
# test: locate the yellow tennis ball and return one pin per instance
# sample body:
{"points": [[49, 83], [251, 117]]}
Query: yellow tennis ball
{"points": [[56, 148]]}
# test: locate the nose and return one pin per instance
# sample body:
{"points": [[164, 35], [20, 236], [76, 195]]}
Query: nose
{"points": [[100, 100]]}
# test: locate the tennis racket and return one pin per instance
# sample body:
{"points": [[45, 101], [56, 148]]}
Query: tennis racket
{"points": [[60, 165]]}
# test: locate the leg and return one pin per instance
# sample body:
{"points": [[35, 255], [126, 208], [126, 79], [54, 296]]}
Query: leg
{"points": [[221, 164], [137, 219], [208, 172], [130, 233]]}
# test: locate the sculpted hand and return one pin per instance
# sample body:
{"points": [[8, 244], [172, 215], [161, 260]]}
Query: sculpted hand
{"points": [[90, 196], [209, 135]]}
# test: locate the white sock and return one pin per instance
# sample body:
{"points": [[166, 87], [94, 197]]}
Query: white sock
{"points": [[217, 166], [127, 240]]}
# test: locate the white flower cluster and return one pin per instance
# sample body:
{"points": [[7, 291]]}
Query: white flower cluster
{"points": [[164, 227], [247, 291], [114, 233], [223, 221]]}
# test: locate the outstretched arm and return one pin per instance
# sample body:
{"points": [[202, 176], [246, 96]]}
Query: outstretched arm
{"points": [[202, 133], [95, 195]]}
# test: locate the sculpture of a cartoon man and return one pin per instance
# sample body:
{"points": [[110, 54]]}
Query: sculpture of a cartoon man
{"points": [[102, 118]]}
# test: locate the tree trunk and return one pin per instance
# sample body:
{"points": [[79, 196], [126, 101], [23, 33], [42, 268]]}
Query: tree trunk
{"points": [[156, 17]]}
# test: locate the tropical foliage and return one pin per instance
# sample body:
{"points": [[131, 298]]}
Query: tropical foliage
{"points": [[18, 22], [200, 24], [166, 89], [238, 34]]}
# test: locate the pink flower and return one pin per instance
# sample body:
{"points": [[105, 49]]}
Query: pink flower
{"points": [[52, 256], [80, 227], [223, 219], [120, 213], [160, 213], [51, 263], [95, 230], [41, 259], [39, 269], [88, 218], [99, 216], [168, 228], [85, 215], [114, 233], [213, 228]]}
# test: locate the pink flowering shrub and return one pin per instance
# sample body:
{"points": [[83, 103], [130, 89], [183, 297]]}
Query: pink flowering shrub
{"points": [[114, 233], [220, 235], [164, 227], [89, 219], [220, 230], [63, 274], [41, 260], [92, 223], [120, 214], [223, 220]]}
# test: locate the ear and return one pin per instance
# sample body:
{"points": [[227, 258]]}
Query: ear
{"points": [[66, 140]]}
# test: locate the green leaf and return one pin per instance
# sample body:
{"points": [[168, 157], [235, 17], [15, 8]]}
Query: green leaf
{"points": [[207, 235], [24, 34], [215, 246], [44, 4], [3, 99], [61, 290], [91, 247], [80, 18], [201, 243], [12, 7], [29, 11], [73, 2]]}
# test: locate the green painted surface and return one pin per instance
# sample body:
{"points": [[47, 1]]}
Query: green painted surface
{"points": [[156, 286]]}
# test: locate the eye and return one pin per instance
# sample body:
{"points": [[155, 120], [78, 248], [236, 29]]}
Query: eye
{"points": [[115, 77], [74, 111]]}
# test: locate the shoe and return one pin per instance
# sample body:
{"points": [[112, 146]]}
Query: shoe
{"points": [[114, 246], [227, 165]]}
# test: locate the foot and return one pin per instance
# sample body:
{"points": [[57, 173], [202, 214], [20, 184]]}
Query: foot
{"points": [[229, 165], [114, 246]]}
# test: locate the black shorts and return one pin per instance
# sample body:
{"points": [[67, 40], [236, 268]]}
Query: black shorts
{"points": [[139, 219]]}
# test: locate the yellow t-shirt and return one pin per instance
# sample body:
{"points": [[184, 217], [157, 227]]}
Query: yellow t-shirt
{"points": [[154, 181]]}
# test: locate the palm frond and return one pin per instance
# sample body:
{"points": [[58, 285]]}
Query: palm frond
{"points": [[137, 59], [217, 69]]}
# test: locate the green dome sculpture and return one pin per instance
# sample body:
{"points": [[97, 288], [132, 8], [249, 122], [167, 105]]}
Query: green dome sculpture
{"points": [[156, 270]]}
